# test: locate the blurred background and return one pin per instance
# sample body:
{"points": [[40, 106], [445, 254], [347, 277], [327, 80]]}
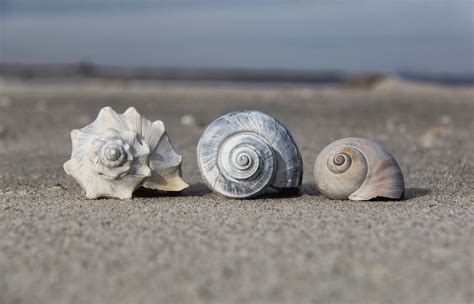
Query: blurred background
{"points": [[423, 39]]}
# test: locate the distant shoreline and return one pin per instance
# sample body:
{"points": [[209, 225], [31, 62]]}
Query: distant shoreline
{"points": [[90, 70]]}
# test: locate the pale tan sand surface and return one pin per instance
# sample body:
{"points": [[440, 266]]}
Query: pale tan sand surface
{"points": [[57, 247]]}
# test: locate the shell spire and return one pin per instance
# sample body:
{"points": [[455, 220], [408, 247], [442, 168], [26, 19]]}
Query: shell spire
{"points": [[118, 153]]}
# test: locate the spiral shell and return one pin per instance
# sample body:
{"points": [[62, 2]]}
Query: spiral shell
{"points": [[358, 169], [242, 153], [118, 153]]}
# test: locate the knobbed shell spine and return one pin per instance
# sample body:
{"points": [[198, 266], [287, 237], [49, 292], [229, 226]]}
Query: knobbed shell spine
{"points": [[358, 169], [243, 153], [118, 153]]}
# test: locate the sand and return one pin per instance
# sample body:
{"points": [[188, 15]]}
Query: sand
{"points": [[57, 247]]}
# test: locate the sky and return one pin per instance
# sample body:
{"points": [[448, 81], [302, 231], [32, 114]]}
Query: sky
{"points": [[425, 36]]}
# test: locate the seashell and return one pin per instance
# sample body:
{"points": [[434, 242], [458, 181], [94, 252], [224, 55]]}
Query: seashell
{"points": [[358, 169], [118, 153], [242, 153]]}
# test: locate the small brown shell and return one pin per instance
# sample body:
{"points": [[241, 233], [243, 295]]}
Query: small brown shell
{"points": [[358, 169]]}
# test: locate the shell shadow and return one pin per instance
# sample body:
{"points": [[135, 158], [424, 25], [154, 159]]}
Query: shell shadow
{"points": [[310, 189], [199, 189], [415, 192], [305, 189], [409, 193], [279, 193]]}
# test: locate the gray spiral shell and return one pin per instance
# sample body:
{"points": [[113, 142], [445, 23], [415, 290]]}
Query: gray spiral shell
{"points": [[358, 169], [242, 153]]}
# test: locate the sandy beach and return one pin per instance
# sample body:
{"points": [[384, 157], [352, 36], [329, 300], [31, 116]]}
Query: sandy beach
{"points": [[199, 247]]}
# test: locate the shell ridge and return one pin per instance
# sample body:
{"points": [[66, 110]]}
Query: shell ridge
{"points": [[154, 133], [165, 171], [107, 118], [132, 120]]}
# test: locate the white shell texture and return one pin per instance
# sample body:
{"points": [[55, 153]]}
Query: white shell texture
{"points": [[358, 169], [242, 153], [118, 153]]}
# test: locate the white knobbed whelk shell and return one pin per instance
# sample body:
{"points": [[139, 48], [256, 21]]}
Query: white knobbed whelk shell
{"points": [[358, 169], [242, 153], [117, 153]]}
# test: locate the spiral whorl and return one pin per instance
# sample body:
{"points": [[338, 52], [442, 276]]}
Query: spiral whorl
{"points": [[242, 162], [246, 157], [340, 170], [340, 162]]}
